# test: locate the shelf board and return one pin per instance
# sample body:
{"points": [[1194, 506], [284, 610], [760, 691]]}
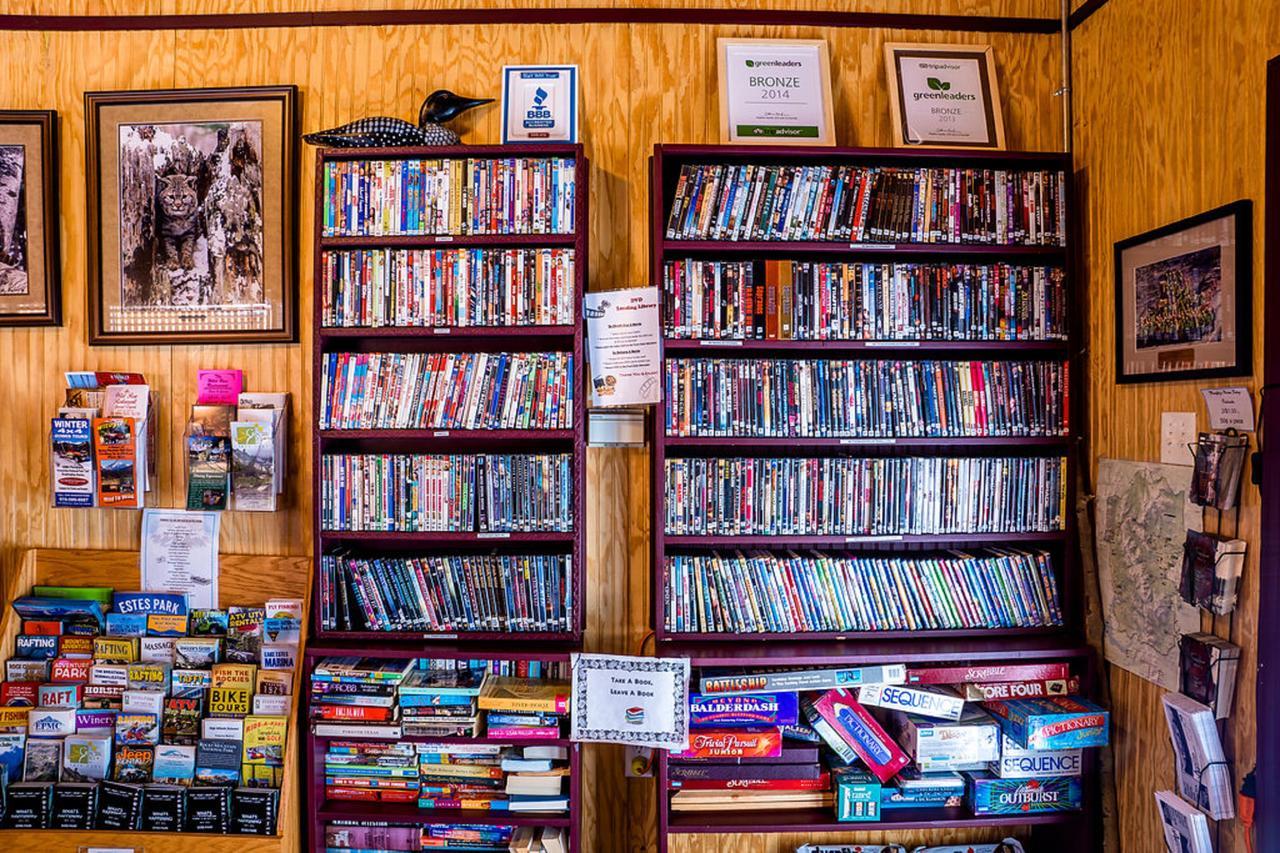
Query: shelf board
{"points": [[712, 153], [464, 741], [409, 638], [1055, 646], [936, 539], [442, 537], [500, 650], [794, 442], [823, 820], [439, 241], [833, 248], [409, 813], [851, 636], [682, 346], [360, 332]]}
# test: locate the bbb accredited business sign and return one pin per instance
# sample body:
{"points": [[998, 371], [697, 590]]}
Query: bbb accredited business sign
{"points": [[540, 103]]}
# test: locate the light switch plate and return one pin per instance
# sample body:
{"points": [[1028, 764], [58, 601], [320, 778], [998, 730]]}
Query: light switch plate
{"points": [[1177, 436]]}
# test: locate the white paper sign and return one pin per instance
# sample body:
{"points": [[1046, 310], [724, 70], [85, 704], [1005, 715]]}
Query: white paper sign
{"points": [[630, 700], [1177, 435], [625, 346], [776, 90], [180, 554], [540, 103], [1229, 408]]}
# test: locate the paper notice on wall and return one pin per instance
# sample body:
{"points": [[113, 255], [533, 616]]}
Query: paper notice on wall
{"points": [[180, 554], [625, 347], [630, 700], [1229, 408]]}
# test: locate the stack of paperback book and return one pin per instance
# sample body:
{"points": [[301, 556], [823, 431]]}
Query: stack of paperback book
{"points": [[370, 288], [131, 710], [236, 445], [998, 739], [492, 777], [470, 837], [524, 708], [103, 441], [357, 697]]}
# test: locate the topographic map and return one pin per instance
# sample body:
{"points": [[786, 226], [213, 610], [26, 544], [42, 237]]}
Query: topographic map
{"points": [[1143, 515]]}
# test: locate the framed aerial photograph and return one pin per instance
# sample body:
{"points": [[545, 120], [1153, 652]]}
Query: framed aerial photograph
{"points": [[192, 215], [30, 271], [944, 96], [1184, 298]]}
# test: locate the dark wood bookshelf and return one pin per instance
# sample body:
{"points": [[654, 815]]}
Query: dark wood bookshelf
{"points": [[817, 649], [477, 644]]}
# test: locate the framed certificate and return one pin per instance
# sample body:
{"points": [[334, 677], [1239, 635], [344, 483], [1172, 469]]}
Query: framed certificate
{"points": [[539, 103], [944, 96], [775, 91]]}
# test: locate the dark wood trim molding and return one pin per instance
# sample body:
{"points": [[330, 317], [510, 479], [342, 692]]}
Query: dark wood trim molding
{"points": [[1268, 684], [1080, 15], [418, 17]]}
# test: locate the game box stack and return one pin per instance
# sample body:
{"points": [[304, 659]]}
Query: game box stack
{"points": [[866, 741], [134, 711]]}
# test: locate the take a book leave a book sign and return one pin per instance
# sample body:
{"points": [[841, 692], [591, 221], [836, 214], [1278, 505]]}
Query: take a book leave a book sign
{"points": [[775, 91], [630, 700]]}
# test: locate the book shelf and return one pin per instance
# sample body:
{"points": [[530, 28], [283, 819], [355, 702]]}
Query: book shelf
{"points": [[747, 649], [565, 336], [241, 580]]}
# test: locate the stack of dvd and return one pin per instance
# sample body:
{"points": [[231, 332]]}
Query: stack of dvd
{"points": [[462, 593], [447, 391], [807, 301], [371, 288], [868, 204], [763, 592], [850, 496], [513, 195], [865, 398], [417, 493]]}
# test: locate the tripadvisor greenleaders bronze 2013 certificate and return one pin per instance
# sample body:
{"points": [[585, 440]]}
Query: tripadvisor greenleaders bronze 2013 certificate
{"points": [[944, 96], [775, 91]]}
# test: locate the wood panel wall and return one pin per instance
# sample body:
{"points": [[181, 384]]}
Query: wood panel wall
{"points": [[1168, 122], [641, 84]]}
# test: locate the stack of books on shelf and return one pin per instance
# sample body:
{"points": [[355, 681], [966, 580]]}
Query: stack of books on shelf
{"points": [[104, 441], [999, 739], [472, 838], [133, 711]]}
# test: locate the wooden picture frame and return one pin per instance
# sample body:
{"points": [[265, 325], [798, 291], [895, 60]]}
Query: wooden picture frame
{"points": [[192, 215], [30, 259], [1184, 298], [805, 122], [949, 81]]}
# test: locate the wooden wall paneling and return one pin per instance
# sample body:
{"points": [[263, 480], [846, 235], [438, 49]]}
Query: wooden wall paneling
{"points": [[1157, 140]]}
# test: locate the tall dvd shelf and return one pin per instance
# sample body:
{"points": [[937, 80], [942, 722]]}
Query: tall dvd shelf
{"points": [[747, 294], [459, 575]]}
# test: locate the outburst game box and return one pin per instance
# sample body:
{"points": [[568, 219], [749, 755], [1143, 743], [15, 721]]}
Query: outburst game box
{"points": [[992, 795], [1056, 722]]}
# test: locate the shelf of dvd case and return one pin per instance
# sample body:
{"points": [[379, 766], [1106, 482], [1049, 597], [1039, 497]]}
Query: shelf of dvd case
{"points": [[683, 346], [446, 537], [940, 540], [999, 442], [435, 241], [405, 813], [920, 648], [503, 332], [762, 248], [495, 436]]}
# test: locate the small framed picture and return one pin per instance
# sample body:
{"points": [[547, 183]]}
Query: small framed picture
{"points": [[539, 103], [1184, 298], [30, 271], [944, 96], [192, 215], [775, 92]]}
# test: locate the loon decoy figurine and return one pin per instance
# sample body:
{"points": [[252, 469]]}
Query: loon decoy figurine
{"points": [[386, 132]]}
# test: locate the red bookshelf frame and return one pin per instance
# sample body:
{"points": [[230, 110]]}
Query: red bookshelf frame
{"points": [[568, 338], [320, 810], [524, 645], [818, 649], [664, 173]]}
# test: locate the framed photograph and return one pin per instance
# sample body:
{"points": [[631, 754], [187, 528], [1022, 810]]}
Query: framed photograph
{"points": [[944, 96], [30, 272], [539, 103], [775, 92], [1184, 298], [192, 215]]}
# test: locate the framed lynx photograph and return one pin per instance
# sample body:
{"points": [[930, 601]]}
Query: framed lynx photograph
{"points": [[30, 271], [1184, 298], [192, 215]]}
